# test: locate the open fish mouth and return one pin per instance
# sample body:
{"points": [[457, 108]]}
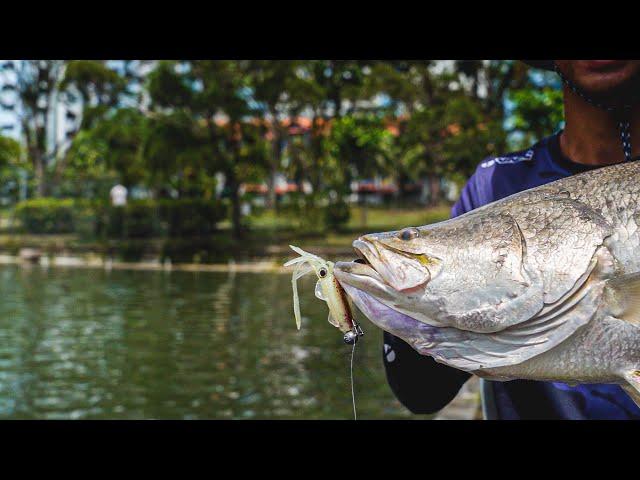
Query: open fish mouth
{"points": [[368, 290], [382, 269], [361, 275]]}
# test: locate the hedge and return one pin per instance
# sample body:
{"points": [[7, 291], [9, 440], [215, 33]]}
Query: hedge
{"points": [[138, 219], [46, 215], [185, 217]]}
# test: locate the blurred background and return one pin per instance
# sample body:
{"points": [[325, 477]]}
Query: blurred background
{"points": [[146, 208]]}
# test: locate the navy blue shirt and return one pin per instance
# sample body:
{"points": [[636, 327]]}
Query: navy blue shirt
{"points": [[425, 386]]}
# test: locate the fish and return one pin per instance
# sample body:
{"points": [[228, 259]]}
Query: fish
{"points": [[541, 285], [328, 290]]}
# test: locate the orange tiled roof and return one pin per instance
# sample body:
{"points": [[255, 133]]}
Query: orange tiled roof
{"points": [[262, 188]]}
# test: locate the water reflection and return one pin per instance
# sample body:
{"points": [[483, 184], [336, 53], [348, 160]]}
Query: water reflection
{"points": [[123, 344]]}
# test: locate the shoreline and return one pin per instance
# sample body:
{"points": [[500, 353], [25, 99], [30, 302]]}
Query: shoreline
{"points": [[67, 261]]}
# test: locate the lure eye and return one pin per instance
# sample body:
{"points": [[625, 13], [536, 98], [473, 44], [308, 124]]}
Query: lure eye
{"points": [[322, 272], [409, 234]]}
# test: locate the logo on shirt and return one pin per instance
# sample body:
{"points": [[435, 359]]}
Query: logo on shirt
{"points": [[389, 354], [508, 159]]}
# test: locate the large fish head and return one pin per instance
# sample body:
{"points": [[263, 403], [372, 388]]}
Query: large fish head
{"points": [[401, 260], [462, 270]]}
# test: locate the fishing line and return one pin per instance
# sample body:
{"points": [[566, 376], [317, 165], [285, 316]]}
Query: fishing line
{"points": [[353, 393]]}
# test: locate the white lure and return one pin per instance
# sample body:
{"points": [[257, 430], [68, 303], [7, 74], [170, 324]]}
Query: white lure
{"points": [[327, 289]]}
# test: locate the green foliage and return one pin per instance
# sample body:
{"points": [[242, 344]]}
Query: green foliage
{"points": [[13, 169], [99, 87], [356, 146], [167, 88], [110, 150], [469, 135], [121, 137], [538, 112], [10, 151], [191, 217], [336, 215], [170, 146], [188, 137], [138, 219], [46, 215], [324, 123], [165, 217], [93, 77]]}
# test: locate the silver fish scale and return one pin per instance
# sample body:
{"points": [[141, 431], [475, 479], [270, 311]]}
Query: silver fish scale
{"points": [[612, 193], [560, 243], [612, 349], [520, 288]]}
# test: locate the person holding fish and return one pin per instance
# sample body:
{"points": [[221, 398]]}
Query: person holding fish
{"points": [[533, 285], [602, 127]]}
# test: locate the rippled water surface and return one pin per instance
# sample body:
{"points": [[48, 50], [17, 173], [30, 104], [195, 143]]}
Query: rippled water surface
{"points": [[78, 343]]}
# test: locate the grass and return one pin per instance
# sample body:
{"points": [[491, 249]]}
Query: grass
{"points": [[268, 237], [382, 220], [276, 233], [377, 218], [394, 218]]}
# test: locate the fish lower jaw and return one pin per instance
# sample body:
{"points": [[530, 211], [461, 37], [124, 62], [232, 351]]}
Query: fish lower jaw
{"points": [[364, 279], [360, 275]]}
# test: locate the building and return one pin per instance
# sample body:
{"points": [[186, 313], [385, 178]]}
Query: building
{"points": [[64, 117]]}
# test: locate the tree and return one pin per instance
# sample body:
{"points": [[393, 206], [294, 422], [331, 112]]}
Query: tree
{"points": [[537, 112], [98, 87], [177, 155], [357, 145], [87, 88], [96, 91], [340, 83], [110, 150], [11, 167], [324, 90], [9, 151], [176, 129], [36, 89], [279, 90], [447, 118], [215, 97]]}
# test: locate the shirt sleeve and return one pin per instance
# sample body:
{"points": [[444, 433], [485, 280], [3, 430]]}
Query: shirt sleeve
{"points": [[470, 197], [421, 384]]}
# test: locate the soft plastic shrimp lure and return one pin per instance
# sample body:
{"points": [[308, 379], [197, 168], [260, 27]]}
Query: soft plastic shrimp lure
{"points": [[327, 289]]}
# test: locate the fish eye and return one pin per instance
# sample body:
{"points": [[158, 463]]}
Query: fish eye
{"points": [[409, 234], [322, 272]]}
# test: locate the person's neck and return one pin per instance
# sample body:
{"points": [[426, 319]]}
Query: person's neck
{"points": [[591, 135]]}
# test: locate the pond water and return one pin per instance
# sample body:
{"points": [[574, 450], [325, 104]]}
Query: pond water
{"points": [[88, 343]]}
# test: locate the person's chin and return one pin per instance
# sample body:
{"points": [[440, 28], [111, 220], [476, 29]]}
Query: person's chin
{"points": [[605, 76]]}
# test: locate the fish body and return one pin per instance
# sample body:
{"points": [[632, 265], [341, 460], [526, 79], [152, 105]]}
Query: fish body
{"points": [[541, 285]]}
